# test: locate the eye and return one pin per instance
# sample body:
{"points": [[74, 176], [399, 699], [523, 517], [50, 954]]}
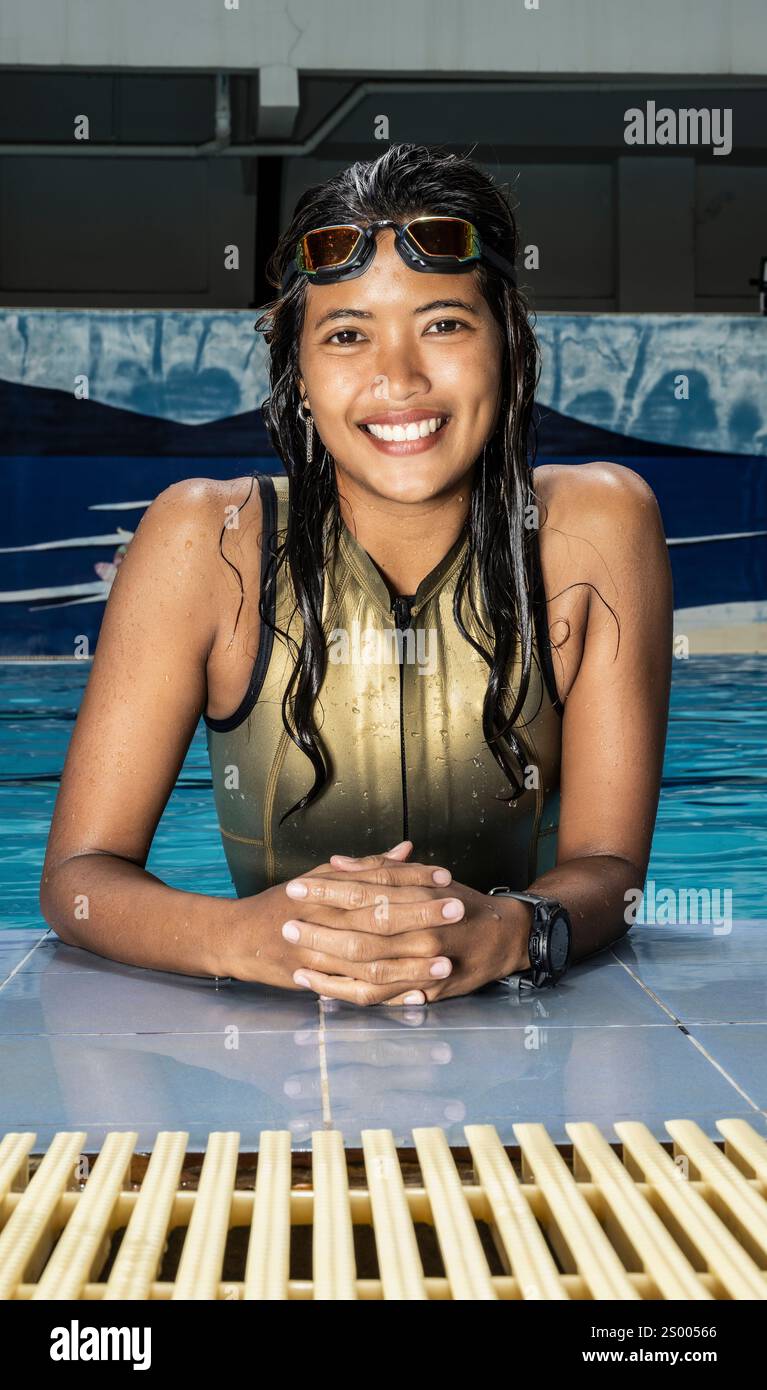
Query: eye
{"points": [[343, 333], [458, 323]]}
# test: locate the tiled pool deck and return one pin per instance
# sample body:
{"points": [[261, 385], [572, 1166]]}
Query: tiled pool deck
{"points": [[670, 1024]]}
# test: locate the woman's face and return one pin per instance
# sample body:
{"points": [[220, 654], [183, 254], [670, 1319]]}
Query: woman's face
{"points": [[389, 343]]}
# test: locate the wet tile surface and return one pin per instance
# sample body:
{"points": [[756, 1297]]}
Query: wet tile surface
{"points": [[741, 1050], [503, 1077], [671, 1023]]}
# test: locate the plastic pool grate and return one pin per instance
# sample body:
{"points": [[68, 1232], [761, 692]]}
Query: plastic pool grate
{"points": [[639, 1220]]}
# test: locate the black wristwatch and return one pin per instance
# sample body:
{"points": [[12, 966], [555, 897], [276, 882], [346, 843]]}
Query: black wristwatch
{"points": [[549, 944]]}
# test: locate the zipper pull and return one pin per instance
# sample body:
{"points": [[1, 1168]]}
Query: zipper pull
{"points": [[403, 610]]}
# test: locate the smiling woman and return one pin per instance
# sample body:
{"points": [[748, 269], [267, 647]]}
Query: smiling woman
{"points": [[403, 368]]}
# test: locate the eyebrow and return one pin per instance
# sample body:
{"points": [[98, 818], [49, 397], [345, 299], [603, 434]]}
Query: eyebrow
{"points": [[422, 309]]}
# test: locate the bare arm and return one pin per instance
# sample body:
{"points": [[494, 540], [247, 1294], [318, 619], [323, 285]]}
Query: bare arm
{"points": [[142, 704], [615, 720]]}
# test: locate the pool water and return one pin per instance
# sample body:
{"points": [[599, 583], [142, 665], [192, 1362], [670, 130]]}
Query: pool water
{"points": [[711, 831]]}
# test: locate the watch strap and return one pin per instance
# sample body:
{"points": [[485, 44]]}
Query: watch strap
{"points": [[525, 977], [515, 893]]}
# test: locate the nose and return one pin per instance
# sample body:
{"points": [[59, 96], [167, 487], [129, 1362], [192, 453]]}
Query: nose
{"points": [[399, 374]]}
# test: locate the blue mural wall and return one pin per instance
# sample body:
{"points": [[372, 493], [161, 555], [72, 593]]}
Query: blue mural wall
{"points": [[100, 410]]}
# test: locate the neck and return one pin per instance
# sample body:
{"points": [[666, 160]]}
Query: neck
{"points": [[404, 540]]}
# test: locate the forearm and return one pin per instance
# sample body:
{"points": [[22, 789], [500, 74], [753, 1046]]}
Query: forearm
{"points": [[117, 909], [593, 890]]}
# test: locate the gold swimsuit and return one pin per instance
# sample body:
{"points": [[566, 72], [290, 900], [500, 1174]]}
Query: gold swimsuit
{"points": [[402, 738]]}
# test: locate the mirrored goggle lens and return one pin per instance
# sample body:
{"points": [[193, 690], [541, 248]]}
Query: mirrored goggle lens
{"points": [[445, 236], [329, 246]]}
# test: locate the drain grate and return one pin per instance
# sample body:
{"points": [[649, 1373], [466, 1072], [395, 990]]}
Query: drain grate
{"points": [[590, 1220]]}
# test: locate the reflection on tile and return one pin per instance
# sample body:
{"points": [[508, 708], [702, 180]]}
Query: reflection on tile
{"points": [[50, 949], [700, 976], [718, 992], [741, 1049], [177, 1081], [595, 992], [410, 1077], [120, 999], [88, 1043], [694, 943]]}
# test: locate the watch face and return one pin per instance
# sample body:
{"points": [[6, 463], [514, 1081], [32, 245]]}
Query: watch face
{"points": [[559, 942]]}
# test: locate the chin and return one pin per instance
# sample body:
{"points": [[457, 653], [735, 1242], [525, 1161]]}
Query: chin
{"points": [[399, 482]]}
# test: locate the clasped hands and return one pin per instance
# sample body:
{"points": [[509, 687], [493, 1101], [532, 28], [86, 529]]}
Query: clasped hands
{"points": [[379, 930]]}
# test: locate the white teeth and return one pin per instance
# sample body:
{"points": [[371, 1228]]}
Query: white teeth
{"points": [[417, 429]]}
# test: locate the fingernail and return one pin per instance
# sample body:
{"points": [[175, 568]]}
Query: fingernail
{"points": [[416, 998], [343, 858], [442, 875], [290, 932], [441, 967], [401, 845], [296, 890], [302, 980], [453, 909]]}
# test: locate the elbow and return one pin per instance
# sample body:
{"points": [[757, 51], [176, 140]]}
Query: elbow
{"points": [[49, 903]]}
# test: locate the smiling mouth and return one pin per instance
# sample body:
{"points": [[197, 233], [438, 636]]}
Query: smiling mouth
{"points": [[400, 434]]}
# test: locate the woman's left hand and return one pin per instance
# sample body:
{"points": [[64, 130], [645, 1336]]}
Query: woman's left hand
{"points": [[488, 941]]}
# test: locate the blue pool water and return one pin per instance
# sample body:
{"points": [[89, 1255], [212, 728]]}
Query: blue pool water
{"points": [[711, 830]]}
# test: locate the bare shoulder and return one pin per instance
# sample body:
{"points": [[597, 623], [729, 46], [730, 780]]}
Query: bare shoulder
{"points": [[592, 492], [195, 504], [191, 525], [203, 500], [592, 514], [209, 510]]}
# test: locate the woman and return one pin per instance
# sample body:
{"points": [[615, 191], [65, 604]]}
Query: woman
{"points": [[416, 638]]}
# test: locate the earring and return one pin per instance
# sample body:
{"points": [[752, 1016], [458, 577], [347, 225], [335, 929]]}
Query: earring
{"points": [[309, 422]]}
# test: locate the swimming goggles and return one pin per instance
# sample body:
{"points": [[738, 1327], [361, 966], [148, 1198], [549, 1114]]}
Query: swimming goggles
{"points": [[445, 245]]}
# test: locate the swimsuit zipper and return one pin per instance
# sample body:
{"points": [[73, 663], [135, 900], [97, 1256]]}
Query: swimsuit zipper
{"points": [[402, 609]]}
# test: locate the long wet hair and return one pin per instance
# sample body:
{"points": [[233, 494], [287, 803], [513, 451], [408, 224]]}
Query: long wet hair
{"points": [[409, 180]]}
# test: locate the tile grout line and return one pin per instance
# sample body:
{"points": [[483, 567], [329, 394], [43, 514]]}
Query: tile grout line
{"points": [[327, 1114], [648, 991], [695, 1042], [23, 961]]}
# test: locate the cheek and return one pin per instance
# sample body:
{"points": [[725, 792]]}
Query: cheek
{"points": [[335, 389]]}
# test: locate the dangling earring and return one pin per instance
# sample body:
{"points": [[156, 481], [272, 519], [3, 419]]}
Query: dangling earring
{"points": [[309, 422], [484, 476]]}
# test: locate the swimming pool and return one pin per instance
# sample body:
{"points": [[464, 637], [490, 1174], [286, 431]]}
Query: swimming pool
{"points": [[711, 831]]}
